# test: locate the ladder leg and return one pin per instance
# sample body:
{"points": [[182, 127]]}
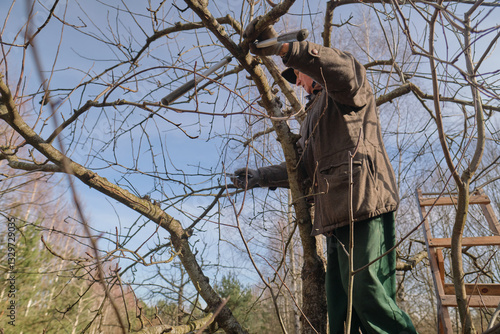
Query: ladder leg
{"points": [[445, 321]]}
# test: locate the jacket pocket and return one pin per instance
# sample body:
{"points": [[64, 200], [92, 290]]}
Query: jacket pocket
{"points": [[340, 169], [332, 191]]}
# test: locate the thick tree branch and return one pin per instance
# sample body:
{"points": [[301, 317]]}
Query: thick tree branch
{"points": [[178, 27], [178, 235]]}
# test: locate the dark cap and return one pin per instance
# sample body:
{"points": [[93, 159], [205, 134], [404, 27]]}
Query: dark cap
{"points": [[289, 75]]}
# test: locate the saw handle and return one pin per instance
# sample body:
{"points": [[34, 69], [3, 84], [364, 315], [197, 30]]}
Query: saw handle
{"points": [[298, 35], [293, 36]]}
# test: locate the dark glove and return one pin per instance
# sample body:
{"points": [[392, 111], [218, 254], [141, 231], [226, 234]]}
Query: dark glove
{"points": [[242, 176], [268, 33]]}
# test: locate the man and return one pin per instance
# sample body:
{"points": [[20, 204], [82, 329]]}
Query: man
{"points": [[342, 115]]}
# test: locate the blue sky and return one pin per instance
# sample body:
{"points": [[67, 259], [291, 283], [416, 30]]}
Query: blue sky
{"points": [[77, 58]]}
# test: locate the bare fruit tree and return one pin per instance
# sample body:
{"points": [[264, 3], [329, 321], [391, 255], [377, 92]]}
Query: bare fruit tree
{"points": [[82, 88]]}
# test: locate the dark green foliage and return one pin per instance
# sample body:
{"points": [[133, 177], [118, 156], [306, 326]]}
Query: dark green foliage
{"points": [[46, 295], [256, 315]]}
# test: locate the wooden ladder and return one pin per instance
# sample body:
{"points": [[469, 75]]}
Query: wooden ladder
{"points": [[480, 295]]}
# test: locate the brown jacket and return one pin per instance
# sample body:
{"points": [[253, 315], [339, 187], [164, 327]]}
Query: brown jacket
{"points": [[335, 116]]}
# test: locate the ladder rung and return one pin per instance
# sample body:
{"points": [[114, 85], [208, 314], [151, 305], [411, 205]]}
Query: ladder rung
{"points": [[447, 200], [466, 242], [474, 301], [475, 289]]}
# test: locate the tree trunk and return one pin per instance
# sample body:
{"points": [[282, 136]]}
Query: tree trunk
{"points": [[295, 285], [456, 259], [313, 270]]}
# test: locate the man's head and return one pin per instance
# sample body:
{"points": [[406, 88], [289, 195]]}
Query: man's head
{"points": [[300, 79]]}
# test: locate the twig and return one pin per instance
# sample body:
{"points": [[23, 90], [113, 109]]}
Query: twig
{"points": [[350, 284]]}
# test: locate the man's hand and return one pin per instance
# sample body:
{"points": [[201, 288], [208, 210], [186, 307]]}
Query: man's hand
{"points": [[244, 176], [268, 33]]}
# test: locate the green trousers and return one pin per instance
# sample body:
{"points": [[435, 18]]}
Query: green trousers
{"points": [[374, 288]]}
